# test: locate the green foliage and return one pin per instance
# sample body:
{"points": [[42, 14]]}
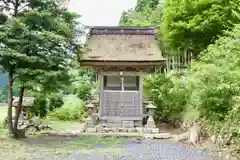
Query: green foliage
{"points": [[142, 4], [72, 110], [4, 92], [45, 103], [55, 101], [40, 107], [208, 91], [146, 13], [184, 22], [39, 42], [83, 84], [37, 47], [168, 93], [3, 80], [83, 91]]}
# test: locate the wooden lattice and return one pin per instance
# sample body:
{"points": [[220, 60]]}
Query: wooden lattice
{"points": [[121, 104]]}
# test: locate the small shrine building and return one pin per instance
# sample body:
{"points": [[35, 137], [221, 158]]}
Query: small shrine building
{"points": [[121, 56]]}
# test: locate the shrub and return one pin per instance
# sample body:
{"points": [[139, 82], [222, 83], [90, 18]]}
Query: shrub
{"points": [[168, 94], [55, 101], [72, 110], [4, 123], [84, 84], [206, 91], [83, 91], [40, 107], [45, 103]]}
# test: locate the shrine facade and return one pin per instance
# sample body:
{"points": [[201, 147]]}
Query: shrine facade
{"points": [[121, 56]]}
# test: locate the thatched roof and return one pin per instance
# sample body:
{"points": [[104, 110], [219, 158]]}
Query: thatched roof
{"points": [[27, 101], [122, 44]]}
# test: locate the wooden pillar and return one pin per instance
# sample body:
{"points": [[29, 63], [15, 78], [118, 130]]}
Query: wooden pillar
{"points": [[141, 92], [101, 76]]}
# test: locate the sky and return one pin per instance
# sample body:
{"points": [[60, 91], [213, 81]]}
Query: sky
{"points": [[100, 12]]}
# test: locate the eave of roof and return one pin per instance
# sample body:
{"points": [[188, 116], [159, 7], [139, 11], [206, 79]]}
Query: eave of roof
{"points": [[125, 27], [124, 61], [123, 30]]}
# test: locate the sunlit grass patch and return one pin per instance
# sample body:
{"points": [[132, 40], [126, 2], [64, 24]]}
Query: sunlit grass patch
{"points": [[55, 146], [3, 112], [94, 141]]}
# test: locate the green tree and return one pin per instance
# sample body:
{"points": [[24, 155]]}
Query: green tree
{"points": [[37, 43], [146, 13], [83, 83], [4, 92], [193, 25]]}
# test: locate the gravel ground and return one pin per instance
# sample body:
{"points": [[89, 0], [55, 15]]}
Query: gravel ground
{"points": [[97, 148], [146, 150]]}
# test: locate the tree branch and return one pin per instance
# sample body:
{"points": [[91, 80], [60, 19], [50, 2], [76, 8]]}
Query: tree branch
{"points": [[23, 7], [6, 2], [6, 7]]}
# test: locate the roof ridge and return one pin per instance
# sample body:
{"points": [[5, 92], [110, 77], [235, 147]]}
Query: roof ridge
{"points": [[125, 27]]}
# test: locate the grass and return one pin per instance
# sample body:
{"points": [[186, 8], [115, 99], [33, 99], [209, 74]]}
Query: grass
{"points": [[51, 147], [3, 112]]}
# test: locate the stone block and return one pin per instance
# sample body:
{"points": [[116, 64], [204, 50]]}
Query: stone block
{"points": [[106, 130], [155, 130], [127, 124], [90, 122], [150, 123], [147, 130], [122, 130], [139, 129], [91, 130], [114, 125], [114, 130], [113, 121], [163, 136], [137, 123], [148, 136], [132, 129], [98, 129], [81, 130]]}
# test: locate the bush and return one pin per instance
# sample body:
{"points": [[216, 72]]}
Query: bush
{"points": [[168, 94], [4, 123], [45, 103], [83, 91], [84, 84], [55, 101], [72, 110], [40, 107], [206, 92]]}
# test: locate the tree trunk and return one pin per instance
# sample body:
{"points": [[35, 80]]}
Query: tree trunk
{"points": [[18, 112], [10, 100]]}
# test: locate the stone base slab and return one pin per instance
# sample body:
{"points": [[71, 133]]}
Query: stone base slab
{"points": [[158, 136], [150, 130], [91, 130], [127, 124], [100, 129]]}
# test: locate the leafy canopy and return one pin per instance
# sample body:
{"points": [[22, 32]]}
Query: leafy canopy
{"points": [[146, 13], [195, 24]]}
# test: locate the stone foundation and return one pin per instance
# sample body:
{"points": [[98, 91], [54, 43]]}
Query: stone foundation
{"points": [[117, 126], [104, 129]]}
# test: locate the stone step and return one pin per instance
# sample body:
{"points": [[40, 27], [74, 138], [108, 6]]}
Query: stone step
{"points": [[117, 124], [115, 129]]}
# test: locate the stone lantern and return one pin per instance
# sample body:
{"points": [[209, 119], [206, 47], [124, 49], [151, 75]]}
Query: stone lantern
{"points": [[151, 108], [150, 127], [91, 109]]}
